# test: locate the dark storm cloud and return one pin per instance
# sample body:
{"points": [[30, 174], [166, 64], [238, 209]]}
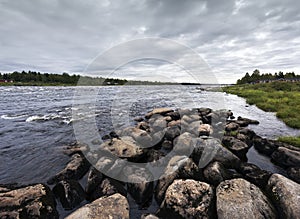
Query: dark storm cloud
{"points": [[232, 36]]}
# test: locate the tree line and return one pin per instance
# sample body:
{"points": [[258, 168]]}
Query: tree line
{"points": [[256, 76]]}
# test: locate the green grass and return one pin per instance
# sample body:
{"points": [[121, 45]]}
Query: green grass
{"points": [[291, 140], [280, 97]]}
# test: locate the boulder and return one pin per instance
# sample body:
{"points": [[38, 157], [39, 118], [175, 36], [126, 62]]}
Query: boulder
{"points": [[294, 174], [107, 187], [140, 184], [76, 168], [248, 121], [286, 157], [157, 123], [254, 174], [237, 198], [70, 193], [215, 173], [184, 144], [125, 147], [174, 115], [167, 145], [205, 129], [210, 149], [179, 167], [236, 146], [264, 145], [149, 216], [248, 132], [285, 193], [232, 126], [141, 137], [114, 207], [187, 199], [175, 123], [93, 180], [160, 111], [143, 126], [34, 201], [172, 132]]}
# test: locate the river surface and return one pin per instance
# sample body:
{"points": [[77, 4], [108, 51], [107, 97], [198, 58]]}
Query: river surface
{"points": [[36, 122]]}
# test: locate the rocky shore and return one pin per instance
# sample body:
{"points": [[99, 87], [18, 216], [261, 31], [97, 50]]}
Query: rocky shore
{"points": [[206, 176]]}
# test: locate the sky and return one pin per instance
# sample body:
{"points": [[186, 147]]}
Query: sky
{"points": [[231, 37]]}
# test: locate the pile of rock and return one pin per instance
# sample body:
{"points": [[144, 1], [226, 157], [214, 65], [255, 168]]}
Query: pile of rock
{"points": [[206, 176]]}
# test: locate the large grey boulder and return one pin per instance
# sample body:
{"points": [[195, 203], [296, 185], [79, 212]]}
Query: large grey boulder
{"points": [[76, 168], [35, 201], [238, 198], [286, 157], [285, 194], [187, 199], [294, 174], [114, 207]]}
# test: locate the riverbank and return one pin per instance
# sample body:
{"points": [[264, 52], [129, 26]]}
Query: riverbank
{"points": [[280, 97], [205, 176]]}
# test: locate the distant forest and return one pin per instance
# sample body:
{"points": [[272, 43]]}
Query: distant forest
{"points": [[256, 77], [37, 78]]}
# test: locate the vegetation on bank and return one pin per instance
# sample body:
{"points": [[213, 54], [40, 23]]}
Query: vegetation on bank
{"points": [[281, 96], [32, 78]]}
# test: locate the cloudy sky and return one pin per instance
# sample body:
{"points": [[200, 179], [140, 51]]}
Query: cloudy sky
{"points": [[232, 36]]}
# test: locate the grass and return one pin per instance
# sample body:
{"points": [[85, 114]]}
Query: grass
{"points": [[280, 97]]}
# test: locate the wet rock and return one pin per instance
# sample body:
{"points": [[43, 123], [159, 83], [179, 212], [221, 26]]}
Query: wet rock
{"points": [[286, 157], [154, 155], [160, 111], [187, 199], [125, 147], [254, 174], [285, 193], [172, 132], [237, 198], [106, 188], [110, 167], [236, 146], [75, 170], [140, 184], [204, 111], [75, 148], [93, 180], [174, 115], [115, 207], [179, 167], [138, 119], [210, 149], [215, 173], [232, 126], [143, 126], [167, 145], [294, 174], [248, 121], [248, 132], [244, 138], [264, 145], [70, 193], [35, 201], [141, 137], [158, 123]]}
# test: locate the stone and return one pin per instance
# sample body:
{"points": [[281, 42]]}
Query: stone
{"points": [[205, 129], [232, 126], [184, 144], [238, 198], [125, 147], [294, 174], [174, 123], [34, 201], [215, 173], [70, 193], [236, 146], [160, 111], [149, 216], [141, 137], [107, 187], [76, 168], [187, 199], [143, 126], [174, 115], [286, 157], [285, 193], [167, 145], [172, 132], [248, 121], [264, 145], [93, 180], [114, 207], [210, 149]]}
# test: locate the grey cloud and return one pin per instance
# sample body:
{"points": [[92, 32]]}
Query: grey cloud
{"points": [[232, 36]]}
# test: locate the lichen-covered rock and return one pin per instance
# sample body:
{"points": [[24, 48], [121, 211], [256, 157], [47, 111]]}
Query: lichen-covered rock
{"points": [[285, 194], [187, 199], [70, 193], [35, 201], [114, 207], [125, 147], [238, 198], [75, 169]]}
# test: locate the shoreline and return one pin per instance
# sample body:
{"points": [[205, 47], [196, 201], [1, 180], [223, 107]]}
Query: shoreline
{"points": [[227, 169]]}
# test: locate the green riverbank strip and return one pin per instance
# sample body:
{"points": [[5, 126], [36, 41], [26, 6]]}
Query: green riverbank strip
{"points": [[279, 96]]}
